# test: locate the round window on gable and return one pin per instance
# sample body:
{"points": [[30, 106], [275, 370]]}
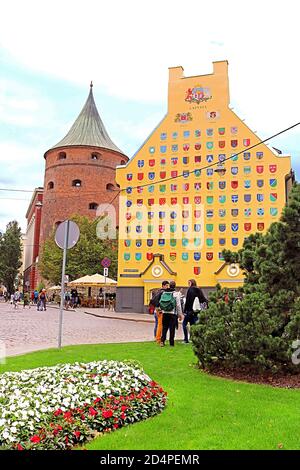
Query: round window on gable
{"points": [[62, 155], [50, 185], [95, 156], [76, 183], [93, 206], [110, 187]]}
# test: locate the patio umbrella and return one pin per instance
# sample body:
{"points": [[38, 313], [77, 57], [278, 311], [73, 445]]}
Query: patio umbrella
{"points": [[95, 280], [54, 288]]}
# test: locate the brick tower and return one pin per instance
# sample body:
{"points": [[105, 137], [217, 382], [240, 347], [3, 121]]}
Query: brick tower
{"points": [[80, 170]]}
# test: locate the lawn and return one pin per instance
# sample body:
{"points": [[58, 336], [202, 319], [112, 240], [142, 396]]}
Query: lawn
{"points": [[203, 412]]}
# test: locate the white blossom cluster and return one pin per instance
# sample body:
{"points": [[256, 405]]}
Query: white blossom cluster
{"points": [[28, 398]]}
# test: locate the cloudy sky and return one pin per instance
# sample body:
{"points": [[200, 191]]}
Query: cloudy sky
{"points": [[51, 50]]}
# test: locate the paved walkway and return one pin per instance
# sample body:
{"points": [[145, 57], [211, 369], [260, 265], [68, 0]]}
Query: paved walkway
{"points": [[25, 330]]}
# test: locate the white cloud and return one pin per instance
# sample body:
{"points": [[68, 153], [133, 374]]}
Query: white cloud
{"points": [[126, 47]]}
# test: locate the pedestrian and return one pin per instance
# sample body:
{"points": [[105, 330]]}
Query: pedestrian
{"points": [[16, 298], [26, 300], [194, 303], [170, 305], [35, 296], [67, 299], [74, 296], [158, 314], [42, 298]]}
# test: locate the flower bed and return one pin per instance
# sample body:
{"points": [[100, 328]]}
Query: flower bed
{"points": [[59, 407]]}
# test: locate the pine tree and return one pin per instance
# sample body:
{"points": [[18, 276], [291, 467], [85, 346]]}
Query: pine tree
{"points": [[264, 324]]}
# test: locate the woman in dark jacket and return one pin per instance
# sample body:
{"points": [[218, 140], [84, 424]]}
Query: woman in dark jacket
{"points": [[189, 315]]}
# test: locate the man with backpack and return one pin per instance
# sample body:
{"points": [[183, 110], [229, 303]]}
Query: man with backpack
{"points": [[158, 314], [170, 305]]}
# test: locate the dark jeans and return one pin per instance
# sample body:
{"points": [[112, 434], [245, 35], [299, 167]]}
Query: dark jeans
{"points": [[190, 318], [169, 323]]}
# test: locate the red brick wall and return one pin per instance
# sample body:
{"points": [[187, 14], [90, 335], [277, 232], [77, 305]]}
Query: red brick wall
{"points": [[64, 200]]}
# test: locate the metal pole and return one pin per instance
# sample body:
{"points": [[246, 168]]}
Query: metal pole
{"points": [[62, 294], [104, 293]]}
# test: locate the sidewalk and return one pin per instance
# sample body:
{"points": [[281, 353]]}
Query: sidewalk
{"points": [[135, 317]]}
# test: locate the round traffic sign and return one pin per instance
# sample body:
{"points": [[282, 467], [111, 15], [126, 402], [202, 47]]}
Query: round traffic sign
{"points": [[106, 262], [67, 233]]}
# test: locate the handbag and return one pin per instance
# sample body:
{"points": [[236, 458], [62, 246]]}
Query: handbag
{"points": [[196, 305]]}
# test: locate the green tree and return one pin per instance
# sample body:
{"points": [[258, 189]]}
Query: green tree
{"points": [[84, 258], [10, 255], [263, 325]]}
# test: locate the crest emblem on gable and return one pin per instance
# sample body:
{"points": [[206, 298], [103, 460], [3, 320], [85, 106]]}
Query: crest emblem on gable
{"points": [[151, 162], [235, 241], [260, 226], [149, 256], [234, 143], [197, 256], [247, 197], [221, 144], [234, 170], [129, 177], [149, 242], [260, 169], [260, 183], [140, 176], [141, 163], [234, 227], [273, 168], [234, 212], [222, 227], [247, 226], [209, 256], [234, 184]]}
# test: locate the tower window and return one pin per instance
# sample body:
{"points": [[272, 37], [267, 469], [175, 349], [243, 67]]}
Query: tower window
{"points": [[62, 155], [95, 156], [76, 183], [50, 185], [122, 162], [110, 187], [93, 206]]}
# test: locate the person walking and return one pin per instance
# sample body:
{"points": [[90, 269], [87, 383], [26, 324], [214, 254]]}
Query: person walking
{"points": [[26, 300], [170, 305], [35, 296], [16, 298], [42, 300], [192, 307], [158, 314]]}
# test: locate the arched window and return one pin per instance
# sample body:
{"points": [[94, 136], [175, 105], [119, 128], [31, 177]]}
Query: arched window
{"points": [[95, 156], [110, 187], [93, 206], [76, 183], [50, 185], [123, 162], [62, 155]]}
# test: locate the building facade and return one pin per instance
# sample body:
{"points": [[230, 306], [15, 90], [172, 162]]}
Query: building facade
{"points": [[31, 241], [200, 183], [80, 171]]}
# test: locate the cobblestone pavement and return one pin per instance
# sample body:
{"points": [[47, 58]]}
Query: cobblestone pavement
{"points": [[24, 330]]}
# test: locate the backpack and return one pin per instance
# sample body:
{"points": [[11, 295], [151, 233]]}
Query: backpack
{"points": [[167, 302], [155, 300]]}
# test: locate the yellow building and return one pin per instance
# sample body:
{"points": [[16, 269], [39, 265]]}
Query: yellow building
{"points": [[197, 185]]}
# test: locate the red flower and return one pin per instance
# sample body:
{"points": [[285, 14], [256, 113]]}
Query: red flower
{"points": [[58, 412], [19, 447], [107, 414], [97, 400], [123, 408], [153, 384], [122, 415], [66, 440], [35, 439], [67, 415], [116, 426], [77, 434], [93, 412]]}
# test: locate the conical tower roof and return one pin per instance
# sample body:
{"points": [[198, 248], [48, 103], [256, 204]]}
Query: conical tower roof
{"points": [[88, 129]]}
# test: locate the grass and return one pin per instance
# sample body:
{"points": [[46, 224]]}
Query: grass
{"points": [[203, 412]]}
